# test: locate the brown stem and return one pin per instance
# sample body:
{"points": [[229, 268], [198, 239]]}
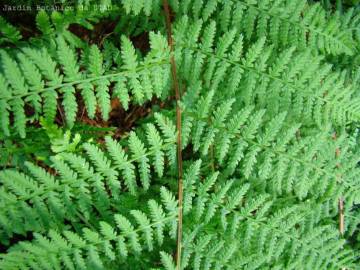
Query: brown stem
{"points": [[341, 199], [341, 220], [341, 216], [178, 127], [61, 115]]}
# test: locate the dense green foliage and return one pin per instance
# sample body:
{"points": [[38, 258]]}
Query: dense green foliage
{"points": [[270, 109]]}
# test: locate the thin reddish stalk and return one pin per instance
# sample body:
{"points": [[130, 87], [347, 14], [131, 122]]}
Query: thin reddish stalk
{"points": [[178, 127], [341, 199], [341, 216]]}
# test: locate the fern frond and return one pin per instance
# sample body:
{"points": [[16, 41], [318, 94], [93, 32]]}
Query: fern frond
{"points": [[10, 33], [167, 261], [37, 79], [327, 101], [284, 23], [84, 183], [147, 7], [104, 166], [101, 248], [268, 112], [268, 146]]}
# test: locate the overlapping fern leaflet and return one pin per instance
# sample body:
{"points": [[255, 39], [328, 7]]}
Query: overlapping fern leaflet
{"points": [[282, 22], [239, 214], [98, 248], [9, 32], [40, 78], [272, 157], [85, 185], [288, 83], [268, 151], [269, 111]]}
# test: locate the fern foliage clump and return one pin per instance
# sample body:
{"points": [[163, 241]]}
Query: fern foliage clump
{"points": [[231, 144]]}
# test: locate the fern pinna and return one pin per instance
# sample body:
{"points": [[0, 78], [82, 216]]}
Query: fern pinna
{"points": [[267, 122]]}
